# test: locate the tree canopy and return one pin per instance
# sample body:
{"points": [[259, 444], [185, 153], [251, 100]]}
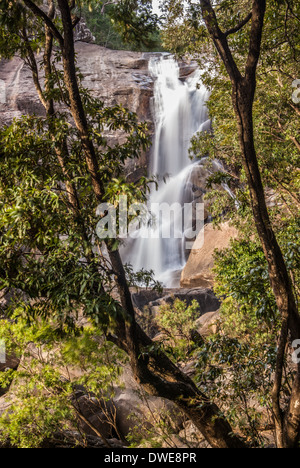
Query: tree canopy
{"points": [[126, 24]]}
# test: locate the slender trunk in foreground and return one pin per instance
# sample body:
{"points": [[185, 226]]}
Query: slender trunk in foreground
{"points": [[243, 91]]}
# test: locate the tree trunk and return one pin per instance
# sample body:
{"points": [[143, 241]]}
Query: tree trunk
{"points": [[77, 109], [279, 278], [243, 92], [158, 375]]}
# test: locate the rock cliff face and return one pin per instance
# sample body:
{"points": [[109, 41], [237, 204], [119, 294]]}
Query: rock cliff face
{"points": [[18, 93], [119, 77], [114, 77]]}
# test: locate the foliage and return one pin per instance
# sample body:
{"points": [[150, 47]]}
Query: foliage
{"points": [[124, 24], [242, 274], [176, 321], [238, 374], [101, 25], [53, 371], [240, 360], [52, 262], [136, 23], [233, 365], [241, 277], [142, 279], [42, 250], [54, 266]]}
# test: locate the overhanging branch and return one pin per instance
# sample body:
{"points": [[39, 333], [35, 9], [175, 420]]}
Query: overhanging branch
{"points": [[239, 26], [258, 13], [39, 13], [220, 40]]}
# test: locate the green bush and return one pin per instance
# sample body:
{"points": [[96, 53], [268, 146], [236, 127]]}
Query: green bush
{"points": [[42, 394]]}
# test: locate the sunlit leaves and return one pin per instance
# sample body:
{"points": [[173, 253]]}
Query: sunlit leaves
{"points": [[135, 22], [242, 274], [44, 399]]}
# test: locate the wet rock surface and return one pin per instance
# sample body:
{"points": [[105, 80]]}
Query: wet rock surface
{"points": [[204, 296]]}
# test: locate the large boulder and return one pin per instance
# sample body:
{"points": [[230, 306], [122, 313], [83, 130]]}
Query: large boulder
{"points": [[11, 362], [207, 324], [136, 411], [198, 270], [148, 304], [152, 300]]}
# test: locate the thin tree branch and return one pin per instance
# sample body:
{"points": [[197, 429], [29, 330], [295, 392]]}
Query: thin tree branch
{"points": [[294, 108], [239, 26], [258, 13], [31, 62], [105, 4], [38, 12], [91, 426], [220, 40], [296, 142]]}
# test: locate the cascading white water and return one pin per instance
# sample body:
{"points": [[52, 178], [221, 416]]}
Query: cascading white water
{"points": [[180, 112]]}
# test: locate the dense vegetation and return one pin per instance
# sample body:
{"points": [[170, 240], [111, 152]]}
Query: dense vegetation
{"points": [[127, 25], [70, 304]]}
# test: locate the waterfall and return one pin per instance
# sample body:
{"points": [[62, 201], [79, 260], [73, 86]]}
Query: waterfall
{"points": [[180, 112]]}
